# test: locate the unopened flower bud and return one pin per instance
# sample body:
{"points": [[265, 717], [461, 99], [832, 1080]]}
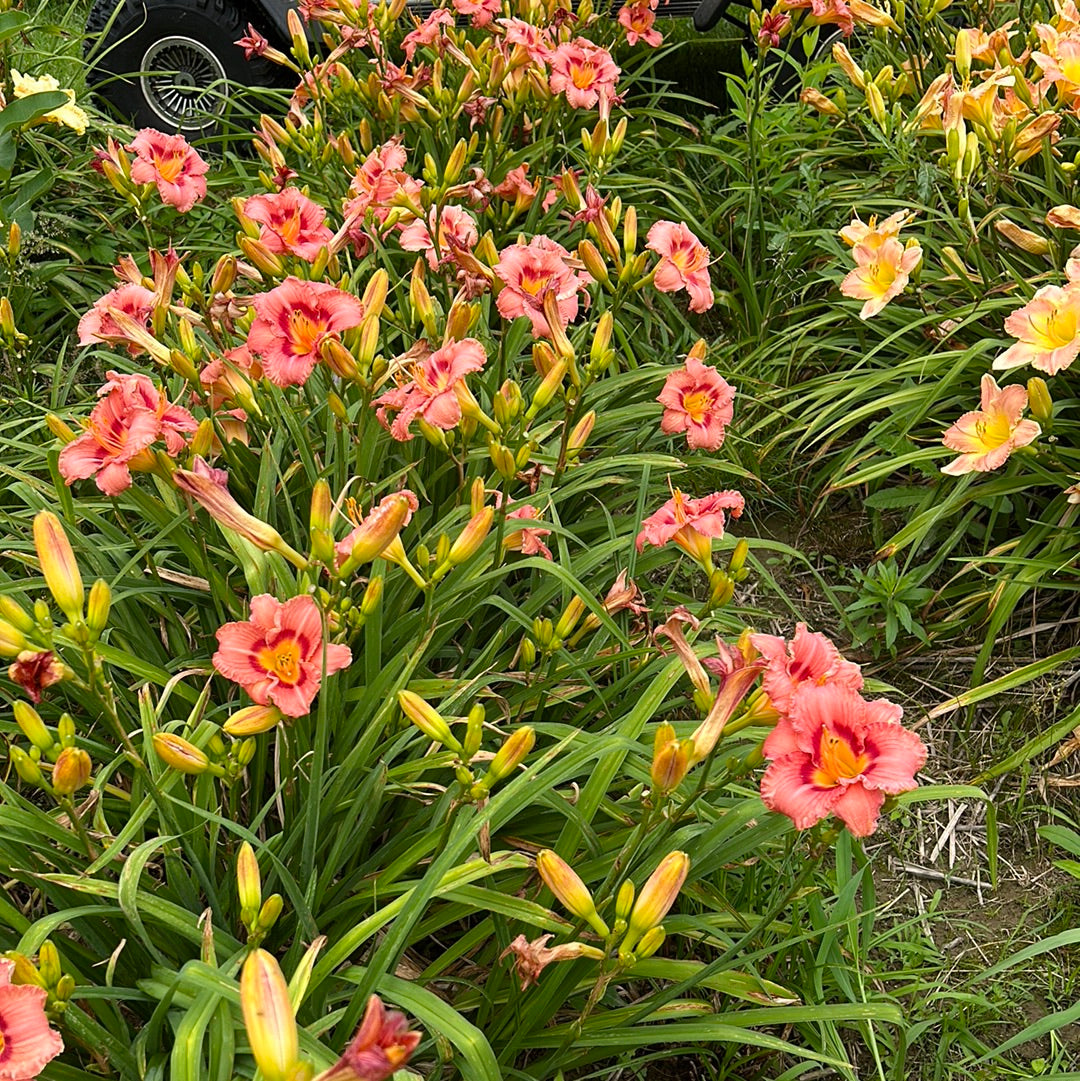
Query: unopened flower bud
{"points": [[962, 54], [527, 653], [550, 385], [630, 231], [590, 255], [71, 771], [510, 755], [25, 973], [427, 718], [502, 458], [49, 963], [32, 726], [1039, 400], [339, 360], [261, 257], [650, 942], [569, 618], [474, 731], [268, 914], [372, 595], [27, 769], [58, 564], [579, 435], [180, 754], [377, 531], [12, 640], [248, 882], [320, 524], [14, 613], [624, 900], [14, 244], [65, 730], [268, 1013], [569, 889], [252, 720], [471, 537], [671, 760], [98, 605], [64, 989], [657, 896]]}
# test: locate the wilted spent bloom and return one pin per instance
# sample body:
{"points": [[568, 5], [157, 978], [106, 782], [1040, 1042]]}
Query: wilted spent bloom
{"points": [[656, 897], [531, 958], [986, 437], [570, 890], [268, 1017], [817, 100], [382, 1045], [34, 670], [71, 771]]}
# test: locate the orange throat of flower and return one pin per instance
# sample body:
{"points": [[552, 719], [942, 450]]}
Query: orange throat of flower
{"points": [[282, 660], [169, 167], [304, 332], [837, 761], [583, 76]]}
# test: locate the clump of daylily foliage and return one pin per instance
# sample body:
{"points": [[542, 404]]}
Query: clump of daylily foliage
{"points": [[410, 597]]}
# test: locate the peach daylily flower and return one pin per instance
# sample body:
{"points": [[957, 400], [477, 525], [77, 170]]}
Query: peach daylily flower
{"points": [[986, 437], [131, 415], [532, 271], [291, 223], [839, 754], [881, 274], [526, 539], [436, 390], [809, 658], [699, 401], [637, 20], [169, 162], [98, 324], [690, 523], [456, 231], [27, 1043], [292, 322], [585, 73], [1048, 329], [684, 263], [871, 234], [277, 655]]}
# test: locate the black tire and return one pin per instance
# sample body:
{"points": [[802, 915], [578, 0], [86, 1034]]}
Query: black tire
{"points": [[134, 58]]}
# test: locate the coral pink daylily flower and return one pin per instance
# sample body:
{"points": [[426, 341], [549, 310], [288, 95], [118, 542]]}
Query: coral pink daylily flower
{"points": [[699, 401], [131, 415], [480, 12], [277, 655], [382, 1045], [535, 40], [1048, 329], [292, 322], [170, 163], [530, 272], [436, 390], [684, 263], [809, 658], [526, 539], [881, 273], [456, 231], [987, 436], [98, 324], [27, 1043], [690, 523], [637, 20], [429, 32], [839, 754], [291, 223], [585, 73]]}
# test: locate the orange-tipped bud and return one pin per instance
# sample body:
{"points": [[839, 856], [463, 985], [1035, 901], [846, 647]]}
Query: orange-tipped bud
{"points": [[376, 532], [510, 755], [58, 564], [671, 760], [227, 512], [569, 889], [657, 896], [471, 537], [97, 606], [180, 754], [590, 255], [421, 301], [252, 721], [248, 883], [268, 1013], [32, 726], [224, 275], [427, 718], [339, 360], [71, 771], [261, 257], [579, 434]]}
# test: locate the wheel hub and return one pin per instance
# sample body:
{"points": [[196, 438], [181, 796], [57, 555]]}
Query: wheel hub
{"points": [[182, 82]]}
